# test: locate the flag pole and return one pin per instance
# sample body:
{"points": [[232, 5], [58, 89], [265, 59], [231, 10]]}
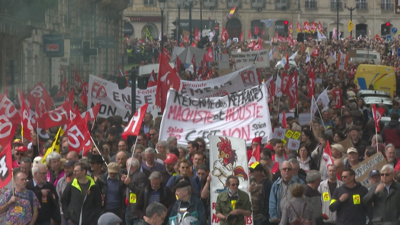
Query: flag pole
{"points": [[97, 149], [12, 181], [37, 134], [130, 163]]}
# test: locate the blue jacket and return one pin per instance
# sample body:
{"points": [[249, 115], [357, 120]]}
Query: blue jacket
{"points": [[195, 205], [275, 197]]}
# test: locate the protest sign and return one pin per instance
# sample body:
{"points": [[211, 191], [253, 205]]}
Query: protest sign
{"points": [[223, 61], [318, 81], [233, 82], [221, 167], [376, 161], [286, 114], [279, 133], [117, 102], [244, 59], [331, 60], [293, 144], [304, 118], [242, 114]]}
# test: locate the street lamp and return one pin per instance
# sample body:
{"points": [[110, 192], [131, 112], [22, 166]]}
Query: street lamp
{"points": [[178, 30], [351, 9], [201, 17], [162, 7], [190, 19], [337, 18]]}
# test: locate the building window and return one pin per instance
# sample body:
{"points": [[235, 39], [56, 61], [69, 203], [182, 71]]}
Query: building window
{"points": [[362, 4], [311, 4], [335, 4], [257, 1], [282, 4], [386, 5], [149, 2]]}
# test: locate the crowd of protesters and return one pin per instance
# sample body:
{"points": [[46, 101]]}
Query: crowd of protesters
{"points": [[158, 181]]}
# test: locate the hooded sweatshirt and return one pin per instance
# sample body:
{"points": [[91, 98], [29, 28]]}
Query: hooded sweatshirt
{"points": [[391, 133], [351, 211]]}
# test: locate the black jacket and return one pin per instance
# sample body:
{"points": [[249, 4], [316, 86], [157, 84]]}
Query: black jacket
{"points": [[50, 209], [138, 182], [73, 202], [101, 182], [351, 211]]}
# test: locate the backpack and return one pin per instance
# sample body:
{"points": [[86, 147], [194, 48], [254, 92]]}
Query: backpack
{"points": [[300, 220]]}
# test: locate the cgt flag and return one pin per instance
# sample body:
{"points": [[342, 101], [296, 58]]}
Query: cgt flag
{"points": [[133, 128], [5, 165]]}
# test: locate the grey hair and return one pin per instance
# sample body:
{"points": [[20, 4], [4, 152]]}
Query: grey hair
{"points": [[134, 162], [36, 168], [155, 208], [170, 140], [150, 151], [51, 156], [388, 167], [312, 176], [377, 136], [183, 148], [293, 161], [163, 143], [155, 175], [389, 146], [26, 160], [289, 163]]}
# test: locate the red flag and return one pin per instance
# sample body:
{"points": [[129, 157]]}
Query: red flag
{"points": [[78, 134], [152, 80], [249, 34], [186, 39], [284, 123], [194, 63], [251, 44], [262, 31], [167, 77], [327, 155], [285, 83], [315, 52], [311, 81], [293, 90], [224, 35], [337, 94], [210, 55], [40, 92], [209, 77], [271, 89], [5, 89], [322, 68], [167, 56], [256, 30], [241, 37], [56, 117], [287, 67], [25, 120], [377, 113], [8, 113], [5, 163], [77, 79], [255, 157], [91, 114], [70, 96], [84, 98], [290, 28], [178, 64], [62, 90], [320, 27], [133, 128], [196, 35]]}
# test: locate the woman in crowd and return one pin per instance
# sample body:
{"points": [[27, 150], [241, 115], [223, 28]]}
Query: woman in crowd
{"points": [[55, 168]]}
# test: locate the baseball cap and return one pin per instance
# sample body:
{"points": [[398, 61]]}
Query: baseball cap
{"points": [[69, 163], [351, 149], [182, 184], [171, 158], [256, 166], [374, 173], [22, 148]]}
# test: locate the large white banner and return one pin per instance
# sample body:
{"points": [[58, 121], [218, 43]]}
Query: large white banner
{"points": [[243, 59], [242, 114], [118, 102], [221, 167], [233, 82]]}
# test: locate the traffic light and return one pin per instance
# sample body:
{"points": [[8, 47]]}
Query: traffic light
{"points": [[286, 26], [388, 24], [385, 28]]}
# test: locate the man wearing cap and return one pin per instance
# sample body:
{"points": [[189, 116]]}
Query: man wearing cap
{"points": [[186, 202], [96, 164], [358, 143], [112, 189], [134, 184], [62, 183], [385, 197], [374, 177], [352, 158], [19, 153], [260, 188], [170, 162], [232, 205]]}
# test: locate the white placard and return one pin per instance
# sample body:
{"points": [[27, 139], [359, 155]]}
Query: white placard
{"points": [[304, 118], [293, 144], [223, 62], [220, 169], [244, 59], [318, 81], [242, 114], [286, 115], [279, 133]]}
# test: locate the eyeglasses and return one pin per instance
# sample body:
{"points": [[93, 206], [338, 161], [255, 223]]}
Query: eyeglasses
{"points": [[286, 169], [19, 153], [42, 173], [385, 174], [235, 184]]}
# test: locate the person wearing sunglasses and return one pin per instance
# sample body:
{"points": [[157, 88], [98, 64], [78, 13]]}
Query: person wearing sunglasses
{"points": [[347, 201], [383, 196], [19, 153], [280, 192]]}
